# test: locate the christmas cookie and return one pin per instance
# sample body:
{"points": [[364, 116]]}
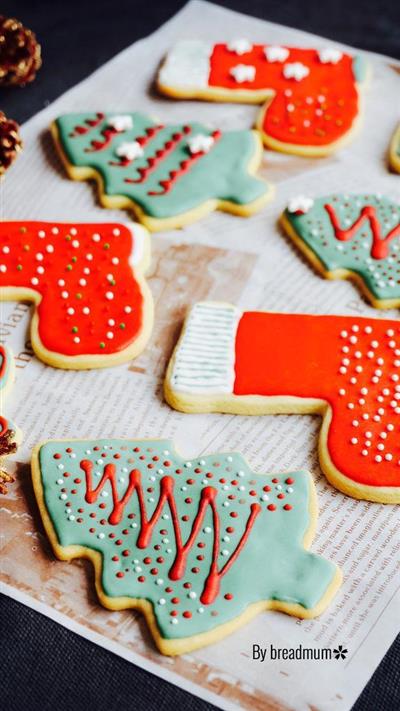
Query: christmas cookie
{"points": [[345, 368], [10, 435], [184, 541], [311, 96], [93, 306], [351, 237], [168, 175], [394, 151]]}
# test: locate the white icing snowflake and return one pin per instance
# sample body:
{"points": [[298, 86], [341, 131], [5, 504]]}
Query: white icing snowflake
{"points": [[243, 72], [275, 53], [300, 204], [330, 55], [200, 143], [129, 150], [240, 46], [296, 71], [120, 123]]}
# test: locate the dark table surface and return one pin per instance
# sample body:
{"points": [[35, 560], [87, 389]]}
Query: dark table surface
{"points": [[45, 666]]}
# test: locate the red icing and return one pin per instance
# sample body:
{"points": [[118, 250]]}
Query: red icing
{"points": [[380, 245], [301, 356], [68, 260], [207, 498], [108, 134], [328, 88], [89, 125], [184, 167], [143, 141]]}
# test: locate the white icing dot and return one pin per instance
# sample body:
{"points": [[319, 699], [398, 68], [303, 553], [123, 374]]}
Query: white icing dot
{"points": [[64, 294], [109, 295], [207, 529], [162, 601], [86, 310], [127, 309], [96, 237], [70, 311], [39, 257], [110, 335]]}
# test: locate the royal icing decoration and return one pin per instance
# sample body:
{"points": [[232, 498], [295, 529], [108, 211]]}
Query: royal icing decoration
{"points": [[330, 55], [300, 205], [312, 95], [92, 305], [243, 72], [8, 431], [240, 46], [164, 171], [120, 123], [356, 233], [276, 53], [345, 367], [296, 71], [189, 537]]}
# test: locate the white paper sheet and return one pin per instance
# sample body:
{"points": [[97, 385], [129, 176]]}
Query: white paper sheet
{"points": [[250, 263]]}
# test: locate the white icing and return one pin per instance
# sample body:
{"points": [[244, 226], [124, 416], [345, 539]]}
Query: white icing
{"points": [[296, 71], [240, 46], [129, 150], [330, 55], [275, 53], [204, 359], [300, 203], [200, 143], [139, 237], [187, 65], [243, 72], [121, 123]]}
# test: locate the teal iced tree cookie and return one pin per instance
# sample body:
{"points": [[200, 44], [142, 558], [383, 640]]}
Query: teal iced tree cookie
{"points": [[199, 546], [169, 175], [351, 237]]}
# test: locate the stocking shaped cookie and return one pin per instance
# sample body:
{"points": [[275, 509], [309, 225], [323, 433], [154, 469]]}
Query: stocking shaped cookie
{"points": [[169, 175], [351, 237], [92, 305], [312, 101], [9, 434], [394, 151], [200, 546], [343, 367]]}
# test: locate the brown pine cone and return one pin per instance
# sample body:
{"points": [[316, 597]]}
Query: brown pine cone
{"points": [[10, 142], [19, 53]]}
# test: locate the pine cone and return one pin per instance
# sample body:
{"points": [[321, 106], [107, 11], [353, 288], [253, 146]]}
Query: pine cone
{"points": [[19, 53], [10, 142]]}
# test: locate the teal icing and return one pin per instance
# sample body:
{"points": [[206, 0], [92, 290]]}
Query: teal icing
{"points": [[359, 68], [272, 565], [381, 276], [222, 173]]}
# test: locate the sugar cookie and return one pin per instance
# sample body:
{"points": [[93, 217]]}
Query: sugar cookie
{"points": [[312, 96], [10, 435], [186, 542], [93, 307], [394, 151], [168, 175], [345, 368], [351, 237]]}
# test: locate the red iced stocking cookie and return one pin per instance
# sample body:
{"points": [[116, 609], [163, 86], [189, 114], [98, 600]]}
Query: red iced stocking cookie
{"points": [[343, 367], [9, 433], [93, 307], [312, 99]]}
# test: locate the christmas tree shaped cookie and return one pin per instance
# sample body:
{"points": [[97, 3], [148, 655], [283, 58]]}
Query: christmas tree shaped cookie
{"points": [[169, 175], [200, 546], [10, 435], [351, 237], [93, 307], [345, 368], [311, 96], [394, 151]]}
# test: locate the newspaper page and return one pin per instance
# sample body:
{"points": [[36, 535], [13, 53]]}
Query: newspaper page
{"points": [[248, 262]]}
